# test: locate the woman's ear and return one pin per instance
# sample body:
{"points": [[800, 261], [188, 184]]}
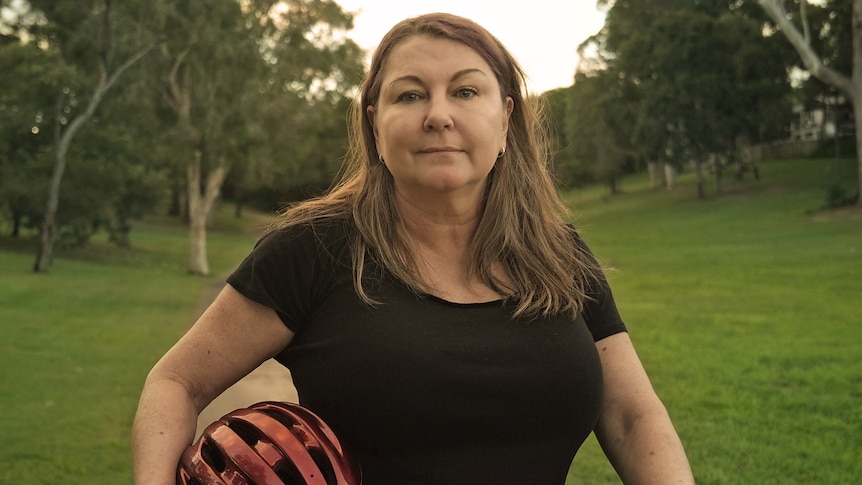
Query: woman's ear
{"points": [[510, 106]]}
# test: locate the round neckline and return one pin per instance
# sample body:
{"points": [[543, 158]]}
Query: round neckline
{"points": [[438, 299]]}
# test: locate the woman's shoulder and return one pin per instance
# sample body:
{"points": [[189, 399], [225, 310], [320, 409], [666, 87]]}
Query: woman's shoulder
{"points": [[323, 229], [575, 239], [331, 235]]}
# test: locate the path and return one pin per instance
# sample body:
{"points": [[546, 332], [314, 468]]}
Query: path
{"points": [[269, 382]]}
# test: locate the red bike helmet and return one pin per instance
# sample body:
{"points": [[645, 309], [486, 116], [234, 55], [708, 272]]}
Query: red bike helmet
{"points": [[269, 443]]}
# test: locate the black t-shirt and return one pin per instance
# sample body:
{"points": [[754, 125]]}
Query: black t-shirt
{"points": [[425, 391]]}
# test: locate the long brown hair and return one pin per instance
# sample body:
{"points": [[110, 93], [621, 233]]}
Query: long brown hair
{"points": [[522, 227]]}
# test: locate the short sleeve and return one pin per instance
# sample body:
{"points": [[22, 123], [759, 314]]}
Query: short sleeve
{"points": [[600, 311], [284, 272], [601, 314]]}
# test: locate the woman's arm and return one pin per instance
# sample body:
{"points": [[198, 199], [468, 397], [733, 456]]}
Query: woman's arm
{"points": [[232, 337], [634, 429]]}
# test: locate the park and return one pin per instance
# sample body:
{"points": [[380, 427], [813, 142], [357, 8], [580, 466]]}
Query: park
{"points": [[738, 275]]}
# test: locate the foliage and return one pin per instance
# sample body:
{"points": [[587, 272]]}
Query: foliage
{"points": [[83, 34], [265, 84], [30, 101], [110, 179], [677, 82], [255, 82], [567, 169], [598, 118]]}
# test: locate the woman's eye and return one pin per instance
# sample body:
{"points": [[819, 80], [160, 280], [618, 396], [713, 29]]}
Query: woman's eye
{"points": [[466, 93], [408, 96]]}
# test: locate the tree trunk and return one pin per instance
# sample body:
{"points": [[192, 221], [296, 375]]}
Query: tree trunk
{"points": [[857, 112], [124, 238], [198, 262], [175, 207], [613, 188], [698, 168], [45, 255], [856, 95], [718, 168], [652, 170], [122, 235], [669, 176], [717, 181], [200, 205], [16, 223]]}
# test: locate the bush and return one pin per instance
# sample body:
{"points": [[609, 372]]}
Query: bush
{"points": [[837, 195]]}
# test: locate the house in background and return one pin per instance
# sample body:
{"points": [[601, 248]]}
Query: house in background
{"points": [[823, 120]]}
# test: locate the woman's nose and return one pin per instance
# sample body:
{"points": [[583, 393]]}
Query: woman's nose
{"points": [[439, 114]]}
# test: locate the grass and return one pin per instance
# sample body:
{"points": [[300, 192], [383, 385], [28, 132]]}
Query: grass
{"points": [[745, 308], [78, 342]]}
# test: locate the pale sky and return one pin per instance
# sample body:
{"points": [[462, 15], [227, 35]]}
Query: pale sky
{"points": [[543, 35]]}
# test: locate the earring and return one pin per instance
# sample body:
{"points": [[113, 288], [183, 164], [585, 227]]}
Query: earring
{"points": [[502, 152], [380, 158]]}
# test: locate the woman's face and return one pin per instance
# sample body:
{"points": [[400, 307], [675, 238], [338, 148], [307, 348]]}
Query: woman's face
{"points": [[440, 120]]}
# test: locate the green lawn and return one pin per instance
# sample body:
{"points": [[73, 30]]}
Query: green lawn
{"points": [[745, 309], [77, 344]]}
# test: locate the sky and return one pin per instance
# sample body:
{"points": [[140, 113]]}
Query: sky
{"points": [[544, 37]]}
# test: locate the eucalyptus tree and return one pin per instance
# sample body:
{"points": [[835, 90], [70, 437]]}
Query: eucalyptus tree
{"points": [[85, 33], [221, 60], [834, 45]]}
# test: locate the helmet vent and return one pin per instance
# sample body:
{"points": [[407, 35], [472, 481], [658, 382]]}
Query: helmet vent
{"points": [[245, 431], [280, 417], [212, 456], [288, 474], [322, 461]]}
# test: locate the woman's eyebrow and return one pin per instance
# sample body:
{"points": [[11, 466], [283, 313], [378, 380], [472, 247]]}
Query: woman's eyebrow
{"points": [[465, 72], [457, 75]]}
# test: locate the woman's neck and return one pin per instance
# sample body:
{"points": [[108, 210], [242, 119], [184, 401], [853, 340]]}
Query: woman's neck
{"points": [[440, 243], [441, 225]]}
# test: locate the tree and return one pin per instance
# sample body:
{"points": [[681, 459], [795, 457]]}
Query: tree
{"points": [[93, 52], [595, 127], [690, 78], [223, 57], [850, 86]]}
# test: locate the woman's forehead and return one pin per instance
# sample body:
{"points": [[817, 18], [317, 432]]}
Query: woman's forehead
{"points": [[422, 53]]}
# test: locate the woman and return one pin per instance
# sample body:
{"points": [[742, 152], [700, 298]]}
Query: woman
{"points": [[435, 308]]}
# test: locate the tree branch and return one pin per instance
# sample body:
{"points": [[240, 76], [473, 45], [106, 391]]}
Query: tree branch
{"points": [[177, 94], [775, 10]]}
